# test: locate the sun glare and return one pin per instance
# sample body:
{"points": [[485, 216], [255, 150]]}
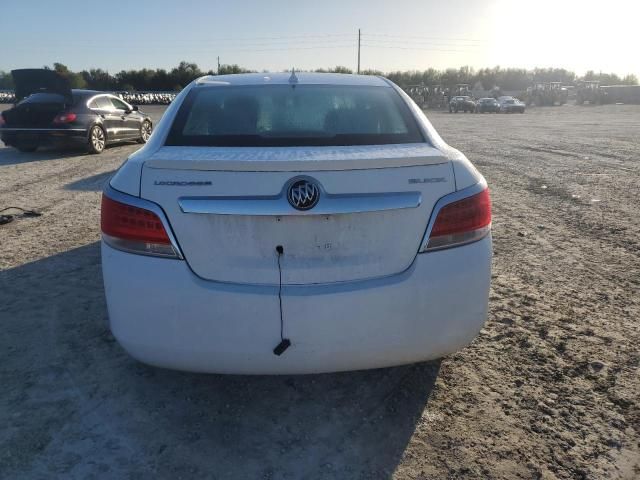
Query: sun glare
{"points": [[578, 35]]}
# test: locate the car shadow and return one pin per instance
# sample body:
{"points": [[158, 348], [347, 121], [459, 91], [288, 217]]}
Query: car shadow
{"points": [[11, 156], [75, 404], [94, 183]]}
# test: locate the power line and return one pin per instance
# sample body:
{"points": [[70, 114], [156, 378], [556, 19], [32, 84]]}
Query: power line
{"points": [[424, 49], [416, 43], [243, 43], [280, 49], [426, 44], [209, 48], [327, 41], [280, 37], [453, 39], [229, 44], [263, 40]]}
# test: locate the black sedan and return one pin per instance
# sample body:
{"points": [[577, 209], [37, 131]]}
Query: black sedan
{"points": [[487, 105], [49, 112], [462, 102]]}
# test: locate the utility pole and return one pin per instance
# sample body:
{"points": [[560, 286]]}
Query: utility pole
{"points": [[359, 51], [218, 71]]}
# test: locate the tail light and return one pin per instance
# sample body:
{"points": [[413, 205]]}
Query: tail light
{"points": [[62, 118], [135, 230], [2, 121], [460, 222]]}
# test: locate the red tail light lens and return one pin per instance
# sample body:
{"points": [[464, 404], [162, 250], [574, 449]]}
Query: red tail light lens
{"points": [[65, 118], [460, 222], [134, 229], [2, 122]]}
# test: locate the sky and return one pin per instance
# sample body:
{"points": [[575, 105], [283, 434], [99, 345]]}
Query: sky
{"points": [[276, 35]]}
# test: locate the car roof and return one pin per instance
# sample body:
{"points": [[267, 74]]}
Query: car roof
{"points": [[303, 78], [78, 92]]}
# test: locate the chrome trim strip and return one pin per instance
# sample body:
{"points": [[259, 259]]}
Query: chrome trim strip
{"points": [[329, 204], [114, 194], [443, 201], [117, 130], [15, 129], [91, 99]]}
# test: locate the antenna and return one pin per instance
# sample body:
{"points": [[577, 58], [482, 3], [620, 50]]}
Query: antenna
{"points": [[293, 79], [359, 36]]}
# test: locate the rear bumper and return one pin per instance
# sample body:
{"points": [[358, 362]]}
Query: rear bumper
{"points": [[42, 136], [164, 315]]}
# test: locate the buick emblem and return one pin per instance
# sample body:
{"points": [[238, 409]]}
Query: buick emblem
{"points": [[303, 194]]}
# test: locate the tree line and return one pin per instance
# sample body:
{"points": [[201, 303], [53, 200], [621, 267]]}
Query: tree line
{"points": [[510, 79], [131, 80]]}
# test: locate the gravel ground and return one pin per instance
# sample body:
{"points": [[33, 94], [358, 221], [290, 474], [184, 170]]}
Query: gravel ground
{"points": [[549, 389]]}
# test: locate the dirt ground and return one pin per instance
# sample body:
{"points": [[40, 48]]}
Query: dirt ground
{"points": [[549, 389]]}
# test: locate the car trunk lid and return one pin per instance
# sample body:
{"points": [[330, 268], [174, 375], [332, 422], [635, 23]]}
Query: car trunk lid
{"points": [[37, 111], [40, 80], [228, 208], [40, 96]]}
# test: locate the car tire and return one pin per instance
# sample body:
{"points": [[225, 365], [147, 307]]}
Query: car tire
{"points": [[97, 140], [26, 148], [145, 131]]}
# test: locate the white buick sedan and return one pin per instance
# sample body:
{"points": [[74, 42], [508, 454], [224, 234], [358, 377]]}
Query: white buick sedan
{"points": [[295, 223]]}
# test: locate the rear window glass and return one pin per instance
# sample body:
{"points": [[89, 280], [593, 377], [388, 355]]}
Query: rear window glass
{"points": [[101, 103], [283, 115], [44, 98]]}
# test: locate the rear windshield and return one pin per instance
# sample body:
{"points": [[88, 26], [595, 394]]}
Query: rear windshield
{"points": [[301, 115], [44, 98], [50, 98]]}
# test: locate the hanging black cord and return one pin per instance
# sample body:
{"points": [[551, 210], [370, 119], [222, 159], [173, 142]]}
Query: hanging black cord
{"points": [[280, 296], [6, 218], [284, 342], [26, 213]]}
